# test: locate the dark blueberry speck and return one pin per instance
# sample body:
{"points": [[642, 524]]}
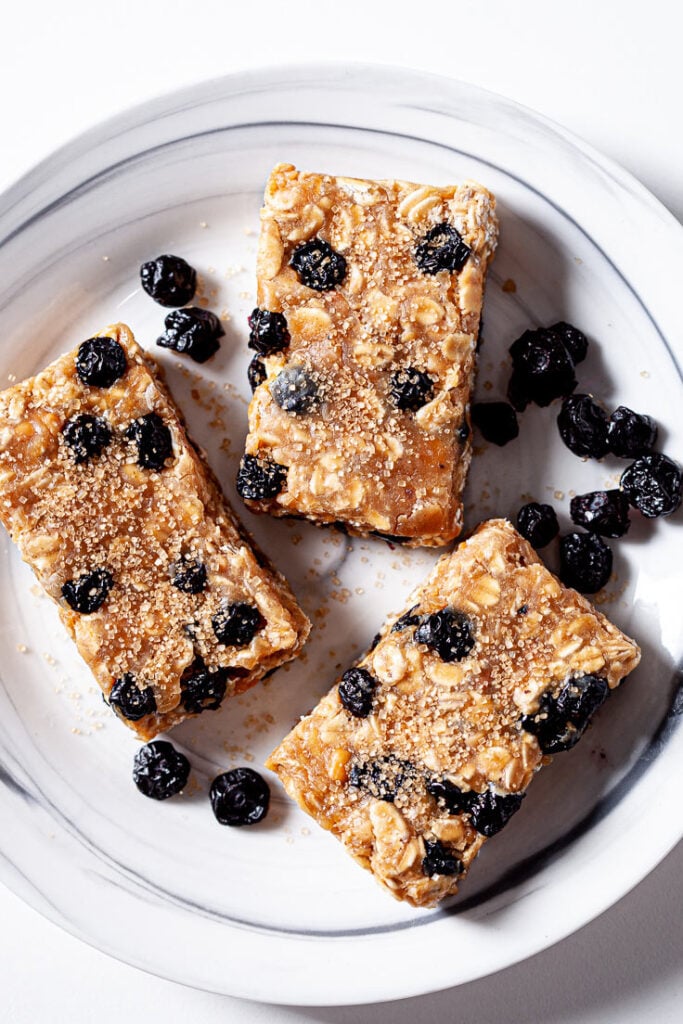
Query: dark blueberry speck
{"points": [[537, 523], [382, 778], [583, 426], [356, 691], [523, 609], [189, 575], [585, 562], [653, 485], [450, 796], [256, 372], [442, 248], [295, 390], [130, 701], [447, 632], [410, 389], [490, 812], [100, 362], [463, 432], [630, 433], [169, 280], [192, 331], [497, 421], [260, 479], [438, 860], [239, 797], [268, 332], [318, 265], [153, 440], [561, 720], [203, 690], [603, 512], [542, 369], [237, 624], [88, 592], [159, 770], [86, 436]]}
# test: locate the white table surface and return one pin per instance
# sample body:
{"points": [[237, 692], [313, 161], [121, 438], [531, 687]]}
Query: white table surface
{"points": [[611, 72]]}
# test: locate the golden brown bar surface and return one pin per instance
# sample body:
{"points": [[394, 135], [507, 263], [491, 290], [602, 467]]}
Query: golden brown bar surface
{"points": [[414, 763], [365, 401], [127, 530]]}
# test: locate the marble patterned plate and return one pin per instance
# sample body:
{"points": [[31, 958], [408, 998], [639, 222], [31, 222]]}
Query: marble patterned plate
{"points": [[279, 912]]}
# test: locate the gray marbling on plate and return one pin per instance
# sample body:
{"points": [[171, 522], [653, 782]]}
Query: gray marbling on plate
{"points": [[244, 911]]}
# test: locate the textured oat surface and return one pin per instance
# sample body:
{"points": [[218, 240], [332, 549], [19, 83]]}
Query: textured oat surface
{"points": [[109, 512], [356, 458], [456, 720]]}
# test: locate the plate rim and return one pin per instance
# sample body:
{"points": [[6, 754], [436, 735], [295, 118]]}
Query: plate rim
{"points": [[303, 74]]}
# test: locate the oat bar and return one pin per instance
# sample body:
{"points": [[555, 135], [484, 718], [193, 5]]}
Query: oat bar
{"points": [[369, 306], [124, 525], [426, 747]]}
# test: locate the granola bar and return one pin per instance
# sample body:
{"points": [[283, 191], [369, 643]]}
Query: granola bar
{"points": [[426, 747], [124, 525], [369, 306]]}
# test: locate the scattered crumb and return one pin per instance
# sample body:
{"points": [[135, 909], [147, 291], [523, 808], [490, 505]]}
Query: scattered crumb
{"points": [[488, 385], [105, 259], [645, 374], [509, 285], [558, 495], [22, 648], [48, 658], [203, 224], [11, 377]]}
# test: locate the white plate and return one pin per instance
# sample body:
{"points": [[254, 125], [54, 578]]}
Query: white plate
{"points": [[280, 912]]}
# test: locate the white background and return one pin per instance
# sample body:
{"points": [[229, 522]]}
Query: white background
{"points": [[611, 72]]}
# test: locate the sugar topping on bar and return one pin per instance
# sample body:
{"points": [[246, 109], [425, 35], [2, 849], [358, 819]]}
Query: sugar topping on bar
{"points": [[426, 747], [124, 524], [369, 305]]}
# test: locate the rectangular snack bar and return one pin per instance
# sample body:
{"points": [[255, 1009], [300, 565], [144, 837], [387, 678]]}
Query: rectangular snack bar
{"points": [[369, 305], [427, 746], [124, 525]]}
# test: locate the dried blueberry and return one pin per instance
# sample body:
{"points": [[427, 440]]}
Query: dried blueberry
{"points": [[407, 620], [100, 362], [561, 720], [260, 479], [490, 812], [256, 372], [318, 265], [542, 369], [236, 625], [573, 339], [130, 701], [169, 280], [88, 592], [86, 436], [410, 388], [653, 485], [463, 432], [192, 331], [153, 440], [356, 691], [497, 421], [537, 523], [450, 796], [295, 390], [203, 690], [447, 632], [159, 770], [382, 778], [438, 860], [603, 512], [442, 248], [189, 575], [630, 433], [268, 332], [239, 797], [585, 562], [583, 426]]}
